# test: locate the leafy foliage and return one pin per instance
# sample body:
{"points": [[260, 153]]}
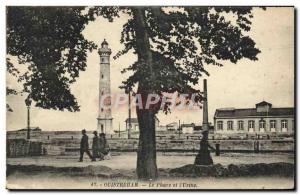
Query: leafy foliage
{"points": [[49, 41], [10, 91], [183, 41]]}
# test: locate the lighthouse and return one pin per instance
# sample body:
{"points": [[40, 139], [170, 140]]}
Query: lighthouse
{"points": [[104, 120]]}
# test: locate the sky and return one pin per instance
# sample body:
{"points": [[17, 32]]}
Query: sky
{"points": [[239, 85]]}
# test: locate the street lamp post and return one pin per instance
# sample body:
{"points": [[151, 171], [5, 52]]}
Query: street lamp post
{"points": [[129, 112], [119, 130], [28, 103]]}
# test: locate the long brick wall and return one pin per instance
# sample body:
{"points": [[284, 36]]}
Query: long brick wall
{"points": [[67, 143]]}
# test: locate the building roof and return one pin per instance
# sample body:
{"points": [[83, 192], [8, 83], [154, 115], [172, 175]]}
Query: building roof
{"points": [[31, 128], [133, 120], [188, 125], [172, 124], [199, 127], [252, 112], [263, 103]]}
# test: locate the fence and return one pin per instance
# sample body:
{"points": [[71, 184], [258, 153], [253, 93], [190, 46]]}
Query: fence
{"points": [[23, 147]]}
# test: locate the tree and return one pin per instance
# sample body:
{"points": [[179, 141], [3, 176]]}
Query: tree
{"points": [[173, 46], [49, 41]]}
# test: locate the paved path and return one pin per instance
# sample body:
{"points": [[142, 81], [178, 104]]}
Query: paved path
{"points": [[127, 161]]}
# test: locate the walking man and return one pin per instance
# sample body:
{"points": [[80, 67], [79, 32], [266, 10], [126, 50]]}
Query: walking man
{"points": [[104, 147], [84, 146], [96, 145]]}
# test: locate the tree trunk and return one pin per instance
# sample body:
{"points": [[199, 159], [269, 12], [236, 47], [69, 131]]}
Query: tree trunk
{"points": [[146, 154]]}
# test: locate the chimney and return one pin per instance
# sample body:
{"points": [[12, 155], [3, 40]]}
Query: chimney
{"points": [[205, 124]]}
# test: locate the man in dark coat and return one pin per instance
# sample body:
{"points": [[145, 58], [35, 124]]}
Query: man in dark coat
{"points": [[96, 145], [104, 147], [84, 146]]}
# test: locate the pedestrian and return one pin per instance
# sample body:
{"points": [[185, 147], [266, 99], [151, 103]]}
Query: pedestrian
{"points": [[104, 147], [84, 146], [96, 145]]}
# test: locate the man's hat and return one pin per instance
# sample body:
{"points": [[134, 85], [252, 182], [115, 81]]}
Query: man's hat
{"points": [[95, 132], [83, 131], [102, 134]]}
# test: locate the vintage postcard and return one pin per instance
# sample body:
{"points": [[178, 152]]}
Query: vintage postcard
{"points": [[150, 98]]}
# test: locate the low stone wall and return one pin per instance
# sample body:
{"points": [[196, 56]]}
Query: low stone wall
{"points": [[68, 143], [71, 146], [248, 145]]}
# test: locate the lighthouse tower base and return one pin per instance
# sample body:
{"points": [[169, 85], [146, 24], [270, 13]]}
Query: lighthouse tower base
{"points": [[105, 125]]}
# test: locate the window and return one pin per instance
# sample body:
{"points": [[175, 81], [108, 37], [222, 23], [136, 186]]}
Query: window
{"points": [[102, 76], [241, 125], [251, 125], [273, 124], [101, 109], [102, 59], [284, 124], [229, 125], [220, 125], [262, 124]]}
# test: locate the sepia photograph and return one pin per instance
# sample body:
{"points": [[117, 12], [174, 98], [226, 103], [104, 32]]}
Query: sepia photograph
{"points": [[150, 98]]}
